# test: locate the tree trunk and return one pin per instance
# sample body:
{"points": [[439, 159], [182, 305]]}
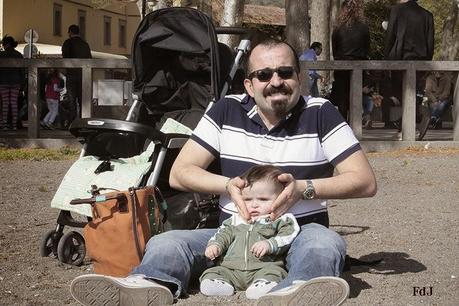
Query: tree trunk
{"points": [[162, 4], [320, 31], [450, 38], [334, 10], [297, 31], [320, 26], [205, 6], [297, 24], [233, 13]]}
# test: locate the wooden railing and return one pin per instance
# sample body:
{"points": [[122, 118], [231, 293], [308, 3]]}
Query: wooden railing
{"points": [[86, 65], [409, 69]]}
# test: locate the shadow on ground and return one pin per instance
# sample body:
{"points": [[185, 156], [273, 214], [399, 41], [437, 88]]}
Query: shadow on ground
{"points": [[391, 263]]}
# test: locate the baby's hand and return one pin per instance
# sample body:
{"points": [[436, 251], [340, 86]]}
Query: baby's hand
{"points": [[212, 252], [260, 248]]}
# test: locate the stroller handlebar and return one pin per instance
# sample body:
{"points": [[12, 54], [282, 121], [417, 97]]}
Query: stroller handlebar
{"points": [[83, 127]]}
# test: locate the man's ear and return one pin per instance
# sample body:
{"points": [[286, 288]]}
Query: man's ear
{"points": [[301, 76], [249, 87]]}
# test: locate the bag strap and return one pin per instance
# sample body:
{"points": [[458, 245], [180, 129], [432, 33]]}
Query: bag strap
{"points": [[97, 198], [134, 200]]}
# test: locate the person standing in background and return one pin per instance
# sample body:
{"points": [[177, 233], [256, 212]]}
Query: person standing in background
{"points": [[74, 47], [11, 80], [410, 36], [350, 41], [311, 55]]}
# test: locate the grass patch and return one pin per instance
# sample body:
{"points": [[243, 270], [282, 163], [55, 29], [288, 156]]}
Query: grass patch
{"points": [[64, 153], [42, 189]]}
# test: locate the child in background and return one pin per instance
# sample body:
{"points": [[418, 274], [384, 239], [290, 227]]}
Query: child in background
{"points": [[52, 94], [252, 252], [11, 81]]}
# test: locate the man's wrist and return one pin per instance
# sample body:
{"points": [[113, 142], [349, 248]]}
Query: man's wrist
{"points": [[227, 186], [309, 192]]}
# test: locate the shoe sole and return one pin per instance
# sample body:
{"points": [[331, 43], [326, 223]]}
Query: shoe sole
{"points": [[320, 291], [96, 290]]}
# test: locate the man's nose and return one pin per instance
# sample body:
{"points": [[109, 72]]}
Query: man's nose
{"points": [[276, 80]]}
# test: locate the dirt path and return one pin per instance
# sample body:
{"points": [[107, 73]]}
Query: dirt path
{"points": [[412, 224]]}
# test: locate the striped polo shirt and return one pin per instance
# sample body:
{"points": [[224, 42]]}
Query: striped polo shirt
{"points": [[308, 142]]}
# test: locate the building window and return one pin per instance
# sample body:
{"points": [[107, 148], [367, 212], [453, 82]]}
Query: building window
{"points": [[82, 23], [107, 30], [122, 33], [57, 19]]}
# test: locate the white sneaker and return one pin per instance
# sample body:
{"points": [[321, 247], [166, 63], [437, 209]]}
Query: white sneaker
{"points": [[134, 290], [216, 287], [259, 288], [320, 291]]}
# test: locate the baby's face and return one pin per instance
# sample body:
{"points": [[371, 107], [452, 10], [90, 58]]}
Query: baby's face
{"points": [[259, 197]]}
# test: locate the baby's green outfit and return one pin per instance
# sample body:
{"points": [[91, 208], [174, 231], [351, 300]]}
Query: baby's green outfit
{"points": [[235, 237]]}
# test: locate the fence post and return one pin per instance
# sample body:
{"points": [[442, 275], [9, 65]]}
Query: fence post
{"points": [[409, 105], [86, 92], [456, 111], [33, 113], [355, 100]]}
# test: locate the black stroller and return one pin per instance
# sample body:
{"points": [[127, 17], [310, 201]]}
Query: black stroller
{"points": [[178, 73]]}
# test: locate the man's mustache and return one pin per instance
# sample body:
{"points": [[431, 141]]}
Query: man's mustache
{"points": [[274, 90]]}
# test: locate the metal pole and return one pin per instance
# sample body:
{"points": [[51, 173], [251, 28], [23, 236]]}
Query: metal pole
{"points": [[456, 111], [30, 43]]}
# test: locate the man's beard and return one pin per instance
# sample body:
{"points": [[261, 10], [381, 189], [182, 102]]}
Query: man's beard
{"points": [[279, 106]]}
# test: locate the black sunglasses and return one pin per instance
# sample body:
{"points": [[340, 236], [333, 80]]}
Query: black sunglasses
{"points": [[265, 74]]}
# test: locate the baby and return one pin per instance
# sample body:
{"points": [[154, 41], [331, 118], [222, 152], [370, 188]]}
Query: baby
{"points": [[252, 252]]}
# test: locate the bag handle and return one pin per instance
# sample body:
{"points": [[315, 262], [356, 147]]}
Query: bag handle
{"points": [[97, 198], [133, 194]]}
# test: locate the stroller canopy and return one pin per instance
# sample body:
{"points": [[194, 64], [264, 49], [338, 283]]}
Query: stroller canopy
{"points": [[176, 61]]}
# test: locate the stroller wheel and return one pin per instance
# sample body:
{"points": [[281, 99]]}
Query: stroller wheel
{"points": [[48, 245], [71, 249]]}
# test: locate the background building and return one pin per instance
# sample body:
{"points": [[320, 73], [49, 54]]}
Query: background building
{"points": [[107, 30]]}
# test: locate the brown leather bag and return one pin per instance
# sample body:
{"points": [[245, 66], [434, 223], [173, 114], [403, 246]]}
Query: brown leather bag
{"points": [[121, 226]]}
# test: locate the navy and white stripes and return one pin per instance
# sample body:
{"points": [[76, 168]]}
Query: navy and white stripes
{"points": [[308, 143]]}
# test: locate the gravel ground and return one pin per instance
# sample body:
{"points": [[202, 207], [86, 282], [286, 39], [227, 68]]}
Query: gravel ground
{"points": [[412, 224]]}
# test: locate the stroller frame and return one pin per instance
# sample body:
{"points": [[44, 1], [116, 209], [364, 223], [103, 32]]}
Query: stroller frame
{"points": [[70, 247]]}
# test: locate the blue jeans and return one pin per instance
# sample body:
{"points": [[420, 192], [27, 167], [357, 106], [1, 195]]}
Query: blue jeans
{"points": [[367, 104], [439, 109], [176, 257], [313, 88], [53, 109]]}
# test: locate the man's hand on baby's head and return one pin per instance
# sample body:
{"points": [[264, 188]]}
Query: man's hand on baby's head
{"points": [[287, 198], [212, 252], [260, 248], [234, 188]]}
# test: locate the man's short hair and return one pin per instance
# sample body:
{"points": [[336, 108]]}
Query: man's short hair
{"points": [[316, 45], [74, 29], [262, 172], [270, 43]]}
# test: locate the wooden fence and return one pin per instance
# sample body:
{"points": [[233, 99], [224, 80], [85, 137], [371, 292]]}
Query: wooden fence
{"points": [[409, 69]]}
